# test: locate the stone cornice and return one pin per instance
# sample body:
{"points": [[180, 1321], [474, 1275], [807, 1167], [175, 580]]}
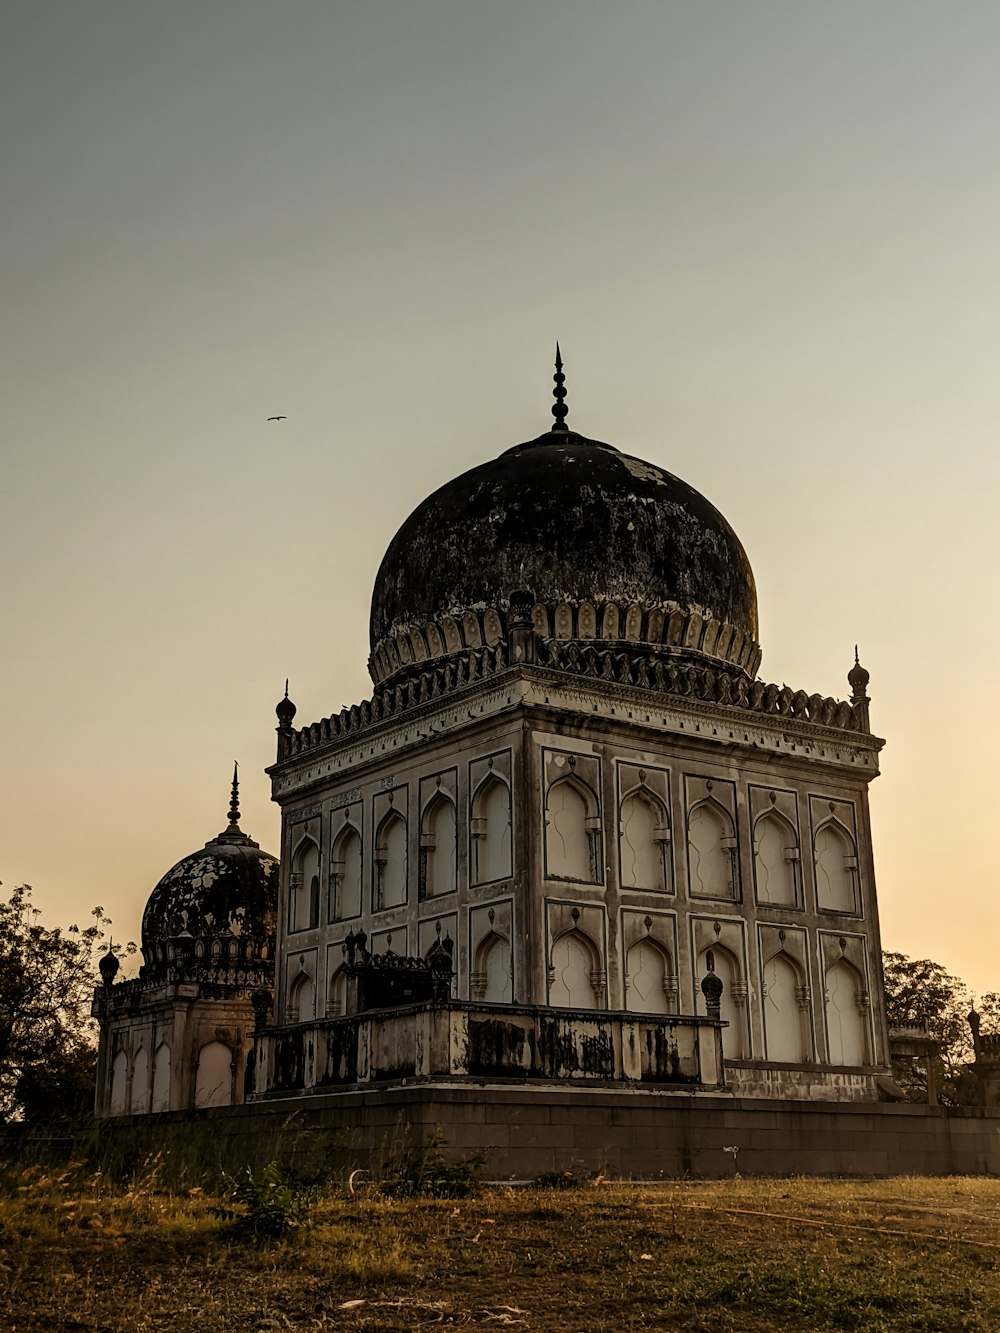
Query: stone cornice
{"points": [[710, 724], [770, 718], [416, 726]]}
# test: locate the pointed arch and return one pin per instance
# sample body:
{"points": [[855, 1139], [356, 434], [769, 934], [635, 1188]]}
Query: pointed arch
{"points": [[213, 1085], [336, 1000], [491, 830], [118, 1101], [643, 840], [650, 982], [726, 966], [438, 846], [784, 997], [776, 860], [301, 998], [139, 1097], [492, 976], [846, 1012], [835, 857], [712, 850], [345, 873], [390, 860], [572, 831], [161, 1079], [576, 978], [303, 886]]}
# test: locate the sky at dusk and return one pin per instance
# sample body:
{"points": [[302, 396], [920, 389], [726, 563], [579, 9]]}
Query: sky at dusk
{"points": [[767, 236]]}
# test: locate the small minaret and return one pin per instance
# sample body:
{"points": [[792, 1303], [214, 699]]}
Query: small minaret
{"points": [[285, 712], [858, 679]]}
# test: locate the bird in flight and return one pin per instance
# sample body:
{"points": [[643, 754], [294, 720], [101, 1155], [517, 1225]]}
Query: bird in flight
{"points": [[277, 418]]}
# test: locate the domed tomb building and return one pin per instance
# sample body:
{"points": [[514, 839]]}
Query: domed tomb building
{"points": [[178, 1035], [645, 865]]}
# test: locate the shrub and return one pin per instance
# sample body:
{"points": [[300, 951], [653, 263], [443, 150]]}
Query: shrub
{"points": [[426, 1171], [558, 1180], [264, 1205]]}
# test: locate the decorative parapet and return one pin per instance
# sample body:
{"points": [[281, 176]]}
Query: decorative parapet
{"points": [[634, 666], [193, 977], [457, 1040]]}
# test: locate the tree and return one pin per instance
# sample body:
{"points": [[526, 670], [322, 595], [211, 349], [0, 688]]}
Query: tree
{"points": [[47, 1036], [920, 993]]}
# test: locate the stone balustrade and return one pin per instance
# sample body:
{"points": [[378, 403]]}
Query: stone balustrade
{"points": [[457, 1040]]}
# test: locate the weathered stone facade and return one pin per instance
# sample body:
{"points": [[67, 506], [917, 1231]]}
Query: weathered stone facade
{"points": [[569, 770], [572, 876]]}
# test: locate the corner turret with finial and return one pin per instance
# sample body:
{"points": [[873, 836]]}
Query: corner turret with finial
{"points": [[285, 713], [108, 966], [858, 679]]}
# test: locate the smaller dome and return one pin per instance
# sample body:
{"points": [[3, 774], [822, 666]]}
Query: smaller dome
{"points": [[229, 887]]}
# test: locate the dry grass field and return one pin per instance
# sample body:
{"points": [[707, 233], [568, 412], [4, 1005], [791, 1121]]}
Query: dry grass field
{"points": [[80, 1253]]}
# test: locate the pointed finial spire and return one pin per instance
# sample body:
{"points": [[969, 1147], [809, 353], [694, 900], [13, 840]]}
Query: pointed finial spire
{"points": [[559, 409], [234, 800]]}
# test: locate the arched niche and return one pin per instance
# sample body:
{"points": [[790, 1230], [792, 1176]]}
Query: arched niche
{"points": [[846, 1033], [438, 847], [775, 860], [651, 987], [336, 1000], [390, 861], [644, 838], [726, 967], [491, 831], [303, 887], [492, 977], [836, 861], [784, 998], [575, 975], [213, 1084], [161, 1079], [118, 1100], [301, 998], [711, 850], [139, 1100], [345, 873], [572, 831]]}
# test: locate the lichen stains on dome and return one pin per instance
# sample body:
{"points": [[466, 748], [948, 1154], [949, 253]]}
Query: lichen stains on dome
{"points": [[575, 521], [222, 889]]}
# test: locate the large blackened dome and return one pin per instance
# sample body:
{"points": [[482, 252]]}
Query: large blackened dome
{"points": [[580, 524], [225, 891]]}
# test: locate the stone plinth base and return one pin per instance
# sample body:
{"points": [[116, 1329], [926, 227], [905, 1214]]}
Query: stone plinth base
{"points": [[526, 1130]]}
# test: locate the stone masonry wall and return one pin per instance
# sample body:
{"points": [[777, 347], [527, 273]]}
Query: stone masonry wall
{"points": [[525, 1131]]}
